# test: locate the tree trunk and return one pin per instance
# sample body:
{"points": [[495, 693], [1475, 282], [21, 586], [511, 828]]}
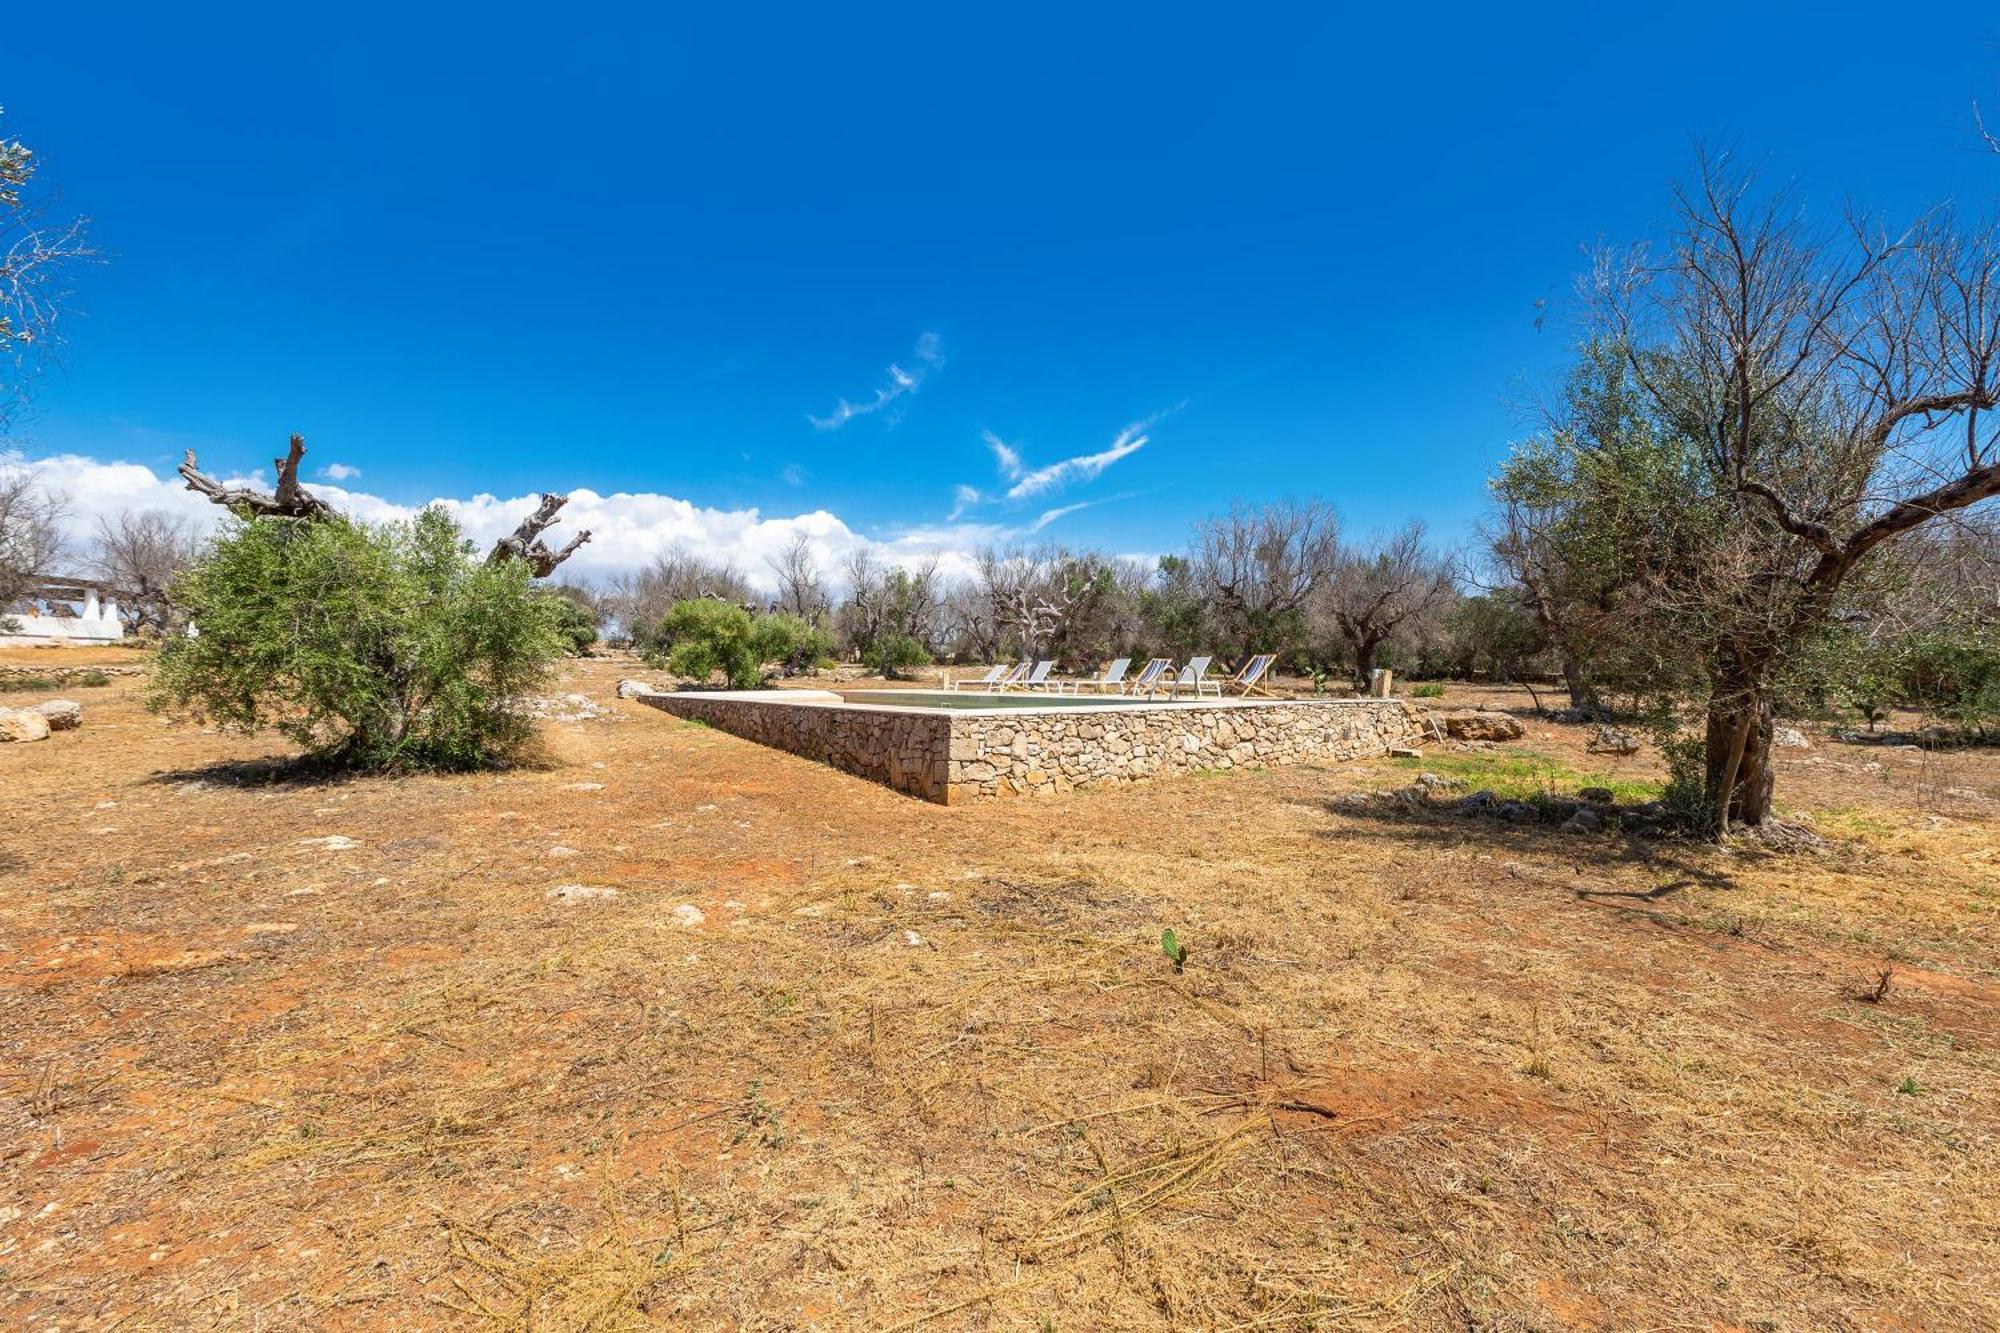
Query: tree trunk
{"points": [[1738, 748], [1581, 696], [1364, 662]]}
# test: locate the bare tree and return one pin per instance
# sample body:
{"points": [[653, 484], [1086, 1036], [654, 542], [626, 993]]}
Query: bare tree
{"points": [[1838, 390], [292, 500], [31, 535], [289, 500], [525, 542], [1262, 564], [641, 600], [801, 586], [890, 601], [139, 553], [36, 247], [1391, 585]]}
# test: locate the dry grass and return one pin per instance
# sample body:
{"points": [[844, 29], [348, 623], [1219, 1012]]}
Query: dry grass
{"points": [[1418, 1072]]}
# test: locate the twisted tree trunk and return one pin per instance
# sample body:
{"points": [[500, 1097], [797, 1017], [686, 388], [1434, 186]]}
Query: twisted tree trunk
{"points": [[1737, 746]]}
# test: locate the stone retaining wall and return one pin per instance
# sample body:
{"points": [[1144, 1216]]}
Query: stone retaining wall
{"points": [[957, 756], [1051, 752], [906, 750]]}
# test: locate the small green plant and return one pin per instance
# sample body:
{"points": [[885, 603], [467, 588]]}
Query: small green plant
{"points": [[28, 683], [1908, 1087], [1683, 800], [1430, 689], [761, 1118], [93, 679], [1172, 947]]}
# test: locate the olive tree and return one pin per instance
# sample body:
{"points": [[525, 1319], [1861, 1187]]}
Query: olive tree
{"points": [[1387, 586], [373, 647], [1835, 389]]}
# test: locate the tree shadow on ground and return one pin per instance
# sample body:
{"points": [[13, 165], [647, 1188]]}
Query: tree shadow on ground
{"points": [[307, 771], [1606, 851]]}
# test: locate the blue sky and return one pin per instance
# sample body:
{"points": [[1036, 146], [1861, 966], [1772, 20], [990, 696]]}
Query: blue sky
{"points": [[1298, 250]]}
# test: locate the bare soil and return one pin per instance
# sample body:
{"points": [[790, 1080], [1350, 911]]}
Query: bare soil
{"points": [[283, 1053]]}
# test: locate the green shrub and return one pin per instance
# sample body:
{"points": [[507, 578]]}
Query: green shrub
{"points": [[790, 642], [575, 622], [703, 636], [93, 679], [1428, 690], [893, 653], [373, 647]]}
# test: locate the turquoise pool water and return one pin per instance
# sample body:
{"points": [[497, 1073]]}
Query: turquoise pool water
{"points": [[981, 699]]}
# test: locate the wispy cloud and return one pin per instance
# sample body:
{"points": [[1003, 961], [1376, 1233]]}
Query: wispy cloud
{"points": [[1025, 482], [925, 357], [339, 472], [964, 498], [1049, 516], [792, 474]]}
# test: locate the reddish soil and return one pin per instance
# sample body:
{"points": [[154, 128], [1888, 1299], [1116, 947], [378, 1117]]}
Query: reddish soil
{"points": [[928, 1066]]}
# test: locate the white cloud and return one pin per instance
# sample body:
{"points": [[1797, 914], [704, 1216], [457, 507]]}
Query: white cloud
{"points": [[628, 528], [928, 355], [339, 472], [1049, 516], [964, 498], [1028, 482]]}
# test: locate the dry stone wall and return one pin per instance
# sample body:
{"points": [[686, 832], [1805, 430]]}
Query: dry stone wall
{"points": [[1033, 753], [905, 750], [954, 757]]}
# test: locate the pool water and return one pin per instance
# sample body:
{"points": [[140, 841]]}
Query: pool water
{"points": [[981, 699]]}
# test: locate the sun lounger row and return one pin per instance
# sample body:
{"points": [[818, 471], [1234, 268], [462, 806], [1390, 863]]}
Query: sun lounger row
{"points": [[1158, 676]]}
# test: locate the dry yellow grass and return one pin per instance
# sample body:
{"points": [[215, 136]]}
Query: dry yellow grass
{"points": [[920, 1067]]}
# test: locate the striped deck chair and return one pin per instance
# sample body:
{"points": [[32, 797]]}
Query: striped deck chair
{"points": [[1148, 679], [1248, 679]]}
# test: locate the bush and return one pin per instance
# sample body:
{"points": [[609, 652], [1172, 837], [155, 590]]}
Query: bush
{"points": [[704, 636], [892, 654], [374, 647], [575, 622], [1428, 690]]}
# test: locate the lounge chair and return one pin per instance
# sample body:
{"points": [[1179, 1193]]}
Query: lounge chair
{"points": [[1038, 679], [1014, 676], [1193, 677], [1246, 681], [1148, 679], [1112, 677], [992, 677]]}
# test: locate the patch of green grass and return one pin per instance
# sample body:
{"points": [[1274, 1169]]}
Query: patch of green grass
{"points": [[1850, 819], [1908, 1087], [1428, 690], [1524, 774], [27, 683], [93, 679]]}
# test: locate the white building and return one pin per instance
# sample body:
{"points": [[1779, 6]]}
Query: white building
{"points": [[67, 611]]}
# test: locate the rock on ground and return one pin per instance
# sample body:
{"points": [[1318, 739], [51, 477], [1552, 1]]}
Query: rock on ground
{"points": [[632, 689], [1480, 724], [1790, 738], [1610, 740], [61, 714], [22, 724], [577, 893]]}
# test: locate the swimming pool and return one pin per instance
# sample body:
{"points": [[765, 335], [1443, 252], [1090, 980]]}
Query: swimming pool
{"points": [[982, 699], [952, 747]]}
